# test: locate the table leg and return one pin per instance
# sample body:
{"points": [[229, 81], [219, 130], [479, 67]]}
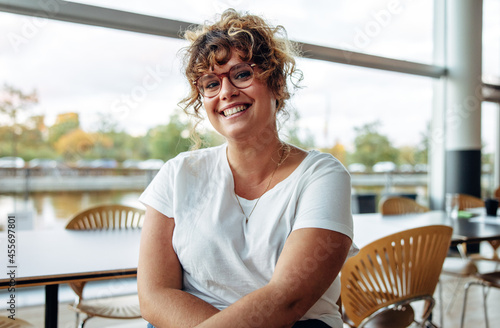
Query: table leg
{"points": [[51, 305]]}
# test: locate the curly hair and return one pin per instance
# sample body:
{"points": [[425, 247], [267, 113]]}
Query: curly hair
{"points": [[255, 40]]}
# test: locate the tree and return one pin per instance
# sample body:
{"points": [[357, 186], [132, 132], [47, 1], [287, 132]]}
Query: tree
{"points": [[291, 133], [422, 149], [78, 144], [12, 103], [407, 155], [372, 147], [166, 141], [64, 124], [338, 151]]}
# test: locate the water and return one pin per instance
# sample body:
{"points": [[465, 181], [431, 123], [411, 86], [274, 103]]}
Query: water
{"points": [[52, 210]]}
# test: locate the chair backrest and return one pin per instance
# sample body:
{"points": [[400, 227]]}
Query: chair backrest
{"points": [[497, 193], [392, 270], [6, 322], [468, 201], [108, 217], [400, 205]]}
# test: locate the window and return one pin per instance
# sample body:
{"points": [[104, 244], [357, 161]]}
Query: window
{"points": [[336, 98], [389, 28]]}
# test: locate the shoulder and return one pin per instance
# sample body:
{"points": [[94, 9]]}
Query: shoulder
{"points": [[319, 161], [196, 158]]}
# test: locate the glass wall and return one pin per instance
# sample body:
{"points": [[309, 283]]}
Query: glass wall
{"points": [[127, 85]]}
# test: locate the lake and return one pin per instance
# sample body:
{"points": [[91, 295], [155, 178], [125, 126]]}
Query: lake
{"points": [[52, 210]]}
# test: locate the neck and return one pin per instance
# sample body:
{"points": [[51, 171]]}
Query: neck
{"points": [[256, 159], [253, 167]]}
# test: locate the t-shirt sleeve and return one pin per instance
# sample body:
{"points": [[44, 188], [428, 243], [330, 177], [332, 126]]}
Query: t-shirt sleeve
{"points": [[159, 193], [325, 200]]}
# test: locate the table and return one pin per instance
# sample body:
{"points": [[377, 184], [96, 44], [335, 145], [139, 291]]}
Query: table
{"points": [[372, 226], [50, 258]]}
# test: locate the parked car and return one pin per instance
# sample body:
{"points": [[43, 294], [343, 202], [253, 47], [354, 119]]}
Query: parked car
{"points": [[130, 163], [97, 163], [151, 164], [420, 167], [104, 163], [384, 167], [12, 162], [356, 168], [45, 163], [406, 168]]}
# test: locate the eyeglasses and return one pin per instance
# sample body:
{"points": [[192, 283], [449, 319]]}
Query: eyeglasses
{"points": [[240, 75]]}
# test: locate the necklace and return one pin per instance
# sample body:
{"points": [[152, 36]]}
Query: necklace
{"points": [[268, 184]]}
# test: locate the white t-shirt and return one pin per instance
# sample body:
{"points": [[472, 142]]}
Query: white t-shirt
{"points": [[223, 257]]}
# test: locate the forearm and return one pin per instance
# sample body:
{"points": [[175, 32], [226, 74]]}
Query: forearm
{"points": [[174, 308], [268, 307]]}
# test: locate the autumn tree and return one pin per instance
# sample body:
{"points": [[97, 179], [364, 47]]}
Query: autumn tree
{"points": [[338, 151], [64, 124], [78, 144]]}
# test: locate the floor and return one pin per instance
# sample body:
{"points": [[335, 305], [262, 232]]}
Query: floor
{"points": [[452, 312]]}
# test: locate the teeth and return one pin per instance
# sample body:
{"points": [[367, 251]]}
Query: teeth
{"points": [[234, 110]]}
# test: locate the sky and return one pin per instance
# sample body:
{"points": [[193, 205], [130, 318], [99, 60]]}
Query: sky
{"points": [[137, 78]]}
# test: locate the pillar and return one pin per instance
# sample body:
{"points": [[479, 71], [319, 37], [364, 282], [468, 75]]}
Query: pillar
{"points": [[463, 97], [496, 160]]}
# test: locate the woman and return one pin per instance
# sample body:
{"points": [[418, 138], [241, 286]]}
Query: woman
{"points": [[252, 233]]}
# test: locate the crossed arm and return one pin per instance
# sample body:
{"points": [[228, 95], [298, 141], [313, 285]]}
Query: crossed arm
{"points": [[310, 261]]}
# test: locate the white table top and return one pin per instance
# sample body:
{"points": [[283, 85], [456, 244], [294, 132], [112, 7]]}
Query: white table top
{"points": [[372, 226], [49, 257]]}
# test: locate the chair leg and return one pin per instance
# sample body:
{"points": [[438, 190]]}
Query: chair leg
{"points": [[441, 308], [466, 290], [77, 319], [485, 294], [459, 282], [83, 322]]}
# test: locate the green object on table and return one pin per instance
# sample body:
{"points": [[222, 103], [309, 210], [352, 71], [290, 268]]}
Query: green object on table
{"points": [[465, 215]]}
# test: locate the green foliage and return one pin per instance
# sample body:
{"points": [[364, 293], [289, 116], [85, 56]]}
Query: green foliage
{"points": [[32, 139], [290, 132], [211, 138], [13, 102], [63, 127], [422, 149], [372, 147], [166, 141]]}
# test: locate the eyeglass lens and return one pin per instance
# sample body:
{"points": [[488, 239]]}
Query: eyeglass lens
{"points": [[240, 75]]}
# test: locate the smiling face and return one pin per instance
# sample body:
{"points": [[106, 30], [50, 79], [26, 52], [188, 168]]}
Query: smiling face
{"points": [[241, 114]]}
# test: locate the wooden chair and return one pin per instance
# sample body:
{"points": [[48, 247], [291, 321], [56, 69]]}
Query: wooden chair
{"points": [[102, 218], [386, 276], [468, 201], [497, 193], [107, 217], [6, 322], [400, 205]]}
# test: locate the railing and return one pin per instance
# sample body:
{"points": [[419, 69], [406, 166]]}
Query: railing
{"points": [[60, 179], [26, 180]]}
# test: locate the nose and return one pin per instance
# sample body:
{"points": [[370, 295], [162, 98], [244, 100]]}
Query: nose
{"points": [[227, 89]]}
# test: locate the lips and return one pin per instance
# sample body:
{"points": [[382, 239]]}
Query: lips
{"points": [[233, 110]]}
